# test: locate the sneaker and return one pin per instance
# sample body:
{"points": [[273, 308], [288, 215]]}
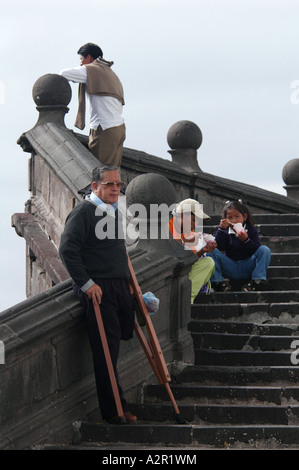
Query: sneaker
{"points": [[223, 286], [254, 286]]}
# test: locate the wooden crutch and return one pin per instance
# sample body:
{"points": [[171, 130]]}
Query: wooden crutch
{"points": [[120, 413], [151, 346]]}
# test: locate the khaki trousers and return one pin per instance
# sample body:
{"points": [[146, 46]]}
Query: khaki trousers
{"points": [[107, 145]]}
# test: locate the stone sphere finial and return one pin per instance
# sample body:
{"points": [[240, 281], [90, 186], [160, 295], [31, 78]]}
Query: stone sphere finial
{"points": [[184, 138], [150, 188], [290, 175], [150, 199], [184, 135], [290, 172], [51, 90]]}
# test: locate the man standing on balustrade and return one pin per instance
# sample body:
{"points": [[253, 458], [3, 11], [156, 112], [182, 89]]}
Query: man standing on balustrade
{"points": [[103, 91]]}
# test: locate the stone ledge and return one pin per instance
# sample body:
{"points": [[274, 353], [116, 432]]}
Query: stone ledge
{"points": [[27, 226]]}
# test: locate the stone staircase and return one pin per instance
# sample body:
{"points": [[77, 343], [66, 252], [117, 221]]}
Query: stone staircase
{"points": [[243, 390]]}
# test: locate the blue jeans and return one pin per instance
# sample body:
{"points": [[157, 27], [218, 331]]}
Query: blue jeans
{"points": [[254, 267]]}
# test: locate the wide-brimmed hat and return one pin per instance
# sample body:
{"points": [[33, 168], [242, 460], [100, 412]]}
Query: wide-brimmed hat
{"points": [[191, 206]]}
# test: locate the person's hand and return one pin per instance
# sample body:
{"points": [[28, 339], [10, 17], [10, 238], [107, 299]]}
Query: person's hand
{"points": [[131, 288], [95, 293], [243, 236], [210, 246], [224, 223]]}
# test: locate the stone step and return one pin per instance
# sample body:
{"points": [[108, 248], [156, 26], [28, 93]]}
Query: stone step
{"points": [[277, 243], [261, 219], [284, 283], [285, 259], [229, 394], [255, 297], [283, 271], [242, 358], [278, 280], [285, 230], [212, 435], [238, 413], [239, 341], [276, 218], [238, 375], [288, 259], [267, 230], [242, 328], [281, 244], [287, 312], [282, 280]]}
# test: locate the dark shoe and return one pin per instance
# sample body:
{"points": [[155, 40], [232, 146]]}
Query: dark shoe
{"points": [[254, 286], [127, 419], [223, 286], [130, 418], [116, 420]]}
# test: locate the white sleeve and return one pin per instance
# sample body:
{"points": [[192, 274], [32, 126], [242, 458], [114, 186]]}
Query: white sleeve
{"points": [[76, 74]]}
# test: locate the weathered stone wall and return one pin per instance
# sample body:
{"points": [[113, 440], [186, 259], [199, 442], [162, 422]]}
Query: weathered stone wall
{"points": [[50, 203], [47, 379]]}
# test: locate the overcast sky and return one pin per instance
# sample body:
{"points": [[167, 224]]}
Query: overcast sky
{"points": [[229, 66]]}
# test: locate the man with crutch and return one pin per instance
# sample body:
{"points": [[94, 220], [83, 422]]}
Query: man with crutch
{"points": [[93, 250]]}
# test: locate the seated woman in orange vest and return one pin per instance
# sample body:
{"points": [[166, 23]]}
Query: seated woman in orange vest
{"points": [[183, 226]]}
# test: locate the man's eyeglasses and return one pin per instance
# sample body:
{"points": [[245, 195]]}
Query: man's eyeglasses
{"points": [[110, 184]]}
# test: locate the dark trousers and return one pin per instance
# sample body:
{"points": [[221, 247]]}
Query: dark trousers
{"points": [[118, 318]]}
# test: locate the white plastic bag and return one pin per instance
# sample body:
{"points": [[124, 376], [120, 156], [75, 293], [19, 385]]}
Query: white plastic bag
{"points": [[151, 302], [203, 240]]}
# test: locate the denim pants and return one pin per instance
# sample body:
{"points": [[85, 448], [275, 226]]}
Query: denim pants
{"points": [[255, 267]]}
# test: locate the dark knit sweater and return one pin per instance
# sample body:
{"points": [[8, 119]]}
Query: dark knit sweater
{"points": [[84, 254], [233, 247]]}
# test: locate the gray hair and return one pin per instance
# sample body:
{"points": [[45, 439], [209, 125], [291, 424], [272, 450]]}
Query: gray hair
{"points": [[97, 174]]}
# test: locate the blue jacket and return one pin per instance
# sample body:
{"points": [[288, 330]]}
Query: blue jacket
{"points": [[233, 247]]}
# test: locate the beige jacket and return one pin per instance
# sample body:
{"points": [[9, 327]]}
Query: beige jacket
{"points": [[101, 81]]}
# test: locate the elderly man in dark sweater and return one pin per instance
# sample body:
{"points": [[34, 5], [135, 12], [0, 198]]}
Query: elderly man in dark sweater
{"points": [[93, 250]]}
